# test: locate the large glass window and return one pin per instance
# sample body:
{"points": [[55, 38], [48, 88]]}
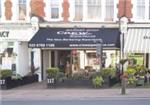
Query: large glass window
{"points": [[94, 9], [140, 13], [109, 10], [22, 9], [78, 10], [7, 55], [54, 9]]}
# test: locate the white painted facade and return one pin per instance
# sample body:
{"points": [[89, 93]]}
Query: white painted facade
{"points": [[47, 10], [17, 41]]}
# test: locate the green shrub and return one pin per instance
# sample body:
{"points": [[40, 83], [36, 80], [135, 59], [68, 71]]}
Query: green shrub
{"points": [[17, 76], [106, 72], [131, 70], [139, 68], [5, 73], [123, 61], [97, 81], [78, 76], [52, 71], [94, 74], [132, 80]]}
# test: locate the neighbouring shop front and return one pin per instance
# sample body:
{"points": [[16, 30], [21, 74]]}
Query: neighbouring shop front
{"points": [[14, 51], [137, 46], [55, 47]]}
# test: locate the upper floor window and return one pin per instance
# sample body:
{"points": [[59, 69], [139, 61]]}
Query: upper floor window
{"points": [[109, 10], [22, 9], [78, 10], [0, 9], [54, 6], [149, 10], [140, 11], [94, 9]]}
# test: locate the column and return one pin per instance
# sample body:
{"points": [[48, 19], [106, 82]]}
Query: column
{"points": [[56, 58]]}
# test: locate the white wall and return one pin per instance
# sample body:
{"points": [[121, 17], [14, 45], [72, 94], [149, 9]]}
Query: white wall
{"points": [[23, 59]]}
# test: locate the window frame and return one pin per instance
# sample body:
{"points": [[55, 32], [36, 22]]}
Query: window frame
{"points": [[85, 15], [113, 17], [0, 9], [47, 10], [134, 12], [26, 1]]}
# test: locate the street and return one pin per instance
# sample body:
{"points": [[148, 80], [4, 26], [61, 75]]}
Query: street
{"points": [[102, 101]]}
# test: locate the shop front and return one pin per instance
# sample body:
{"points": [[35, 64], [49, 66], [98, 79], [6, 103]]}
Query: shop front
{"points": [[14, 52], [56, 47], [137, 47]]}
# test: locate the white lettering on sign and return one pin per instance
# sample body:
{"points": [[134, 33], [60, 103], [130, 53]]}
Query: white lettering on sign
{"points": [[73, 33], [4, 34], [146, 37]]}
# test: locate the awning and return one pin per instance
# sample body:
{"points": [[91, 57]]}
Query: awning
{"points": [[137, 40], [16, 34], [75, 38]]}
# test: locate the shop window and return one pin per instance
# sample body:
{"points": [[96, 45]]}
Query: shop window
{"points": [[7, 55], [78, 10], [10, 44], [94, 9], [109, 10], [136, 59], [54, 5], [93, 60], [22, 9]]}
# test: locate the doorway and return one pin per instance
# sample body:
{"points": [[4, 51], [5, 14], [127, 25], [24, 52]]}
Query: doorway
{"points": [[64, 56], [55, 58]]}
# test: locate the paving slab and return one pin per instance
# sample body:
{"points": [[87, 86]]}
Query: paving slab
{"points": [[39, 91]]}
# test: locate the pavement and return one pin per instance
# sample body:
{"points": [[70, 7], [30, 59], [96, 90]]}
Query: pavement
{"points": [[38, 91]]}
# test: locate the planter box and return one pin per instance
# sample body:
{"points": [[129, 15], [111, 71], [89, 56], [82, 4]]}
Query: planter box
{"points": [[8, 83], [140, 82], [51, 82], [68, 83], [109, 82], [4, 83]]}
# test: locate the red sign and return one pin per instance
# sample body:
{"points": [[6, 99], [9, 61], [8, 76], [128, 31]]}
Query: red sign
{"points": [[74, 52]]}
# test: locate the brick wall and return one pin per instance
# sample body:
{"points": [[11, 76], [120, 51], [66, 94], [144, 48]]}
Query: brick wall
{"points": [[37, 8], [124, 8], [8, 9]]}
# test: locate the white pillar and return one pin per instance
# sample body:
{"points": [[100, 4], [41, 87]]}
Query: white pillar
{"points": [[15, 10], [3, 10], [37, 62], [47, 10], [82, 59], [28, 10]]}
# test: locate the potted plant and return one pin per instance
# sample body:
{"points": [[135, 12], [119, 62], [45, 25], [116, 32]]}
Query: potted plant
{"points": [[107, 74], [5, 78], [97, 81], [52, 76], [131, 78]]}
